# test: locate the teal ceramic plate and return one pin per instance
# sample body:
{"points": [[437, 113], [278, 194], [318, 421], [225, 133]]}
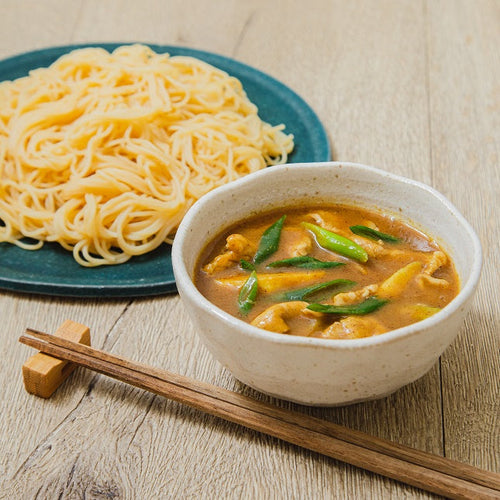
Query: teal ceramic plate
{"points": [[52, 270]]}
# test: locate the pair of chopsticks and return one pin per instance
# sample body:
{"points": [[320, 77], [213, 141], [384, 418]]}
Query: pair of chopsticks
{"points": [[417, 468]]}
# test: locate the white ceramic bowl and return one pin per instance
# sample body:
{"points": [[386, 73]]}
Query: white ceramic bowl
{"points": [[317, 371]]}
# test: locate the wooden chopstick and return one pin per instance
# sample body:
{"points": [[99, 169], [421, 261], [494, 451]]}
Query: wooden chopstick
{"points": [[423, 470]]}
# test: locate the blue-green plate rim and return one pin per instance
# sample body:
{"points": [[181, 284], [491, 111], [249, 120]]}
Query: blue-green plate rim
{"points": [[53, 271]]}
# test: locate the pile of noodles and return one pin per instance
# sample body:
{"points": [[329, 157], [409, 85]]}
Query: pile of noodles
{"points": [[105, 152]]}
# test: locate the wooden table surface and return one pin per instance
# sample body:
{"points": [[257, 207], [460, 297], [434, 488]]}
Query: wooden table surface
{"points": [[409, 86]]}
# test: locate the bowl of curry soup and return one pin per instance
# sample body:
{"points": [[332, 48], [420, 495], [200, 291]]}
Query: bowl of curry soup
{"points": [[326, 283]]}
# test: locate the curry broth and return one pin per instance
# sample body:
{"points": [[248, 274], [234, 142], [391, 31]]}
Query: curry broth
{"points": [[426, 292]]}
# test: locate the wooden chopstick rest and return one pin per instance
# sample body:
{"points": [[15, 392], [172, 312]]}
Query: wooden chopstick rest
{"points": [[43, 374]]}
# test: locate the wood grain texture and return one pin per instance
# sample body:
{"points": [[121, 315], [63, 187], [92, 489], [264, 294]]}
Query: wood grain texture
{"points": [[29, 24], [411, 87], [464, 86], [426, 471]]}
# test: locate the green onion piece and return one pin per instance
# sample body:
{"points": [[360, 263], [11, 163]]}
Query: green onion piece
{"points": [[269, 241], [247, 266], [248, 293], [302, 293], [369, 305], [373, 234], [305, 262], [335, 242]]}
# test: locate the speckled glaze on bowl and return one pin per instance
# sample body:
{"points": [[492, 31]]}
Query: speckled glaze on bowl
{"points": [[316, 371]]}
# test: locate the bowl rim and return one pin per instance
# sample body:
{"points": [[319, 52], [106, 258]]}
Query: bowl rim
{"points": [[186, 285]]}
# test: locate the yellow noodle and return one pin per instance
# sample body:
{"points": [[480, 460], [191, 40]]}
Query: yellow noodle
{"points": [[105, 152]]}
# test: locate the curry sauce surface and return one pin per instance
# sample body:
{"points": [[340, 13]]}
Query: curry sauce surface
{"points": [[420, 297]]}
